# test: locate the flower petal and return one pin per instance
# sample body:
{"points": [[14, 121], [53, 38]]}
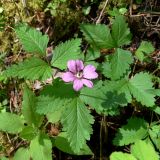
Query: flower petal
{"points": [[77, 84], [87, 83], [68, 77], [79, 65], [89, 72], [71, 64]]}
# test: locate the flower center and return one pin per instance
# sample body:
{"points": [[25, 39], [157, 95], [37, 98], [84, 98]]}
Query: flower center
{"points": [[79, 75]]}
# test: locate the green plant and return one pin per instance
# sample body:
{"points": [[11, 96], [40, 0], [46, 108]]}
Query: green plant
{"points": [[119, 87], [140, 150]]}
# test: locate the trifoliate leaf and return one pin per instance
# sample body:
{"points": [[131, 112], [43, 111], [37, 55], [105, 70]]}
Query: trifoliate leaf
{"points": [[103, 101], [77, 122], [32, 40], [98, 36], [135, 129], [142, 92], [22, 153], [144, 151], [62, 144], [32, 69], [41, 148], [66, 51], [121, 156], [144, 49], [118, 64], [11, 123], [140, 86], [29, 108], [121, 87], [120, 32], [54, 97]]}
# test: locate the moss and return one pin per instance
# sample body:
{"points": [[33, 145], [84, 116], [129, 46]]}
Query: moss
{"points": [[5, 44], [36, 4], [67, 16], [14, 12], [114, 3]]}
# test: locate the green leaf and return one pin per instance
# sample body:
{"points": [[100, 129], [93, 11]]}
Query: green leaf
{"points": [[10, 123], [32, 40], [144, 49], [120, 32], [103, 101], [32, 69], [28, 133], [54, 97], [77, 122], [98, 36], [154, 133], [123, 10], [114, 12], [113, 103], [29, 108], [97, 100], [155, 92], [121, 156], [4, 158], [121, 87], [135, 129], [22, 153], [118, 65], [41, 148], [92, 54], [46, 104], [86, 10], [142, 92], [140, 86], [54, 117], [144, 151], [65, 52], [156, 109], [62, 144]]}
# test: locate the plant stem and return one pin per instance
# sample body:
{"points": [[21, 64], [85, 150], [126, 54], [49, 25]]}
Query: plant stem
{"points": [[103, 135], [101, 128]]}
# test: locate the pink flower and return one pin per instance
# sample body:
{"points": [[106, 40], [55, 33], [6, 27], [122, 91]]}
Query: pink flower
{"points": [[79, 75]]}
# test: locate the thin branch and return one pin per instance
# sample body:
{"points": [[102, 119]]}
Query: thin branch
{"points": [[130, 8], [100, 16]]}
